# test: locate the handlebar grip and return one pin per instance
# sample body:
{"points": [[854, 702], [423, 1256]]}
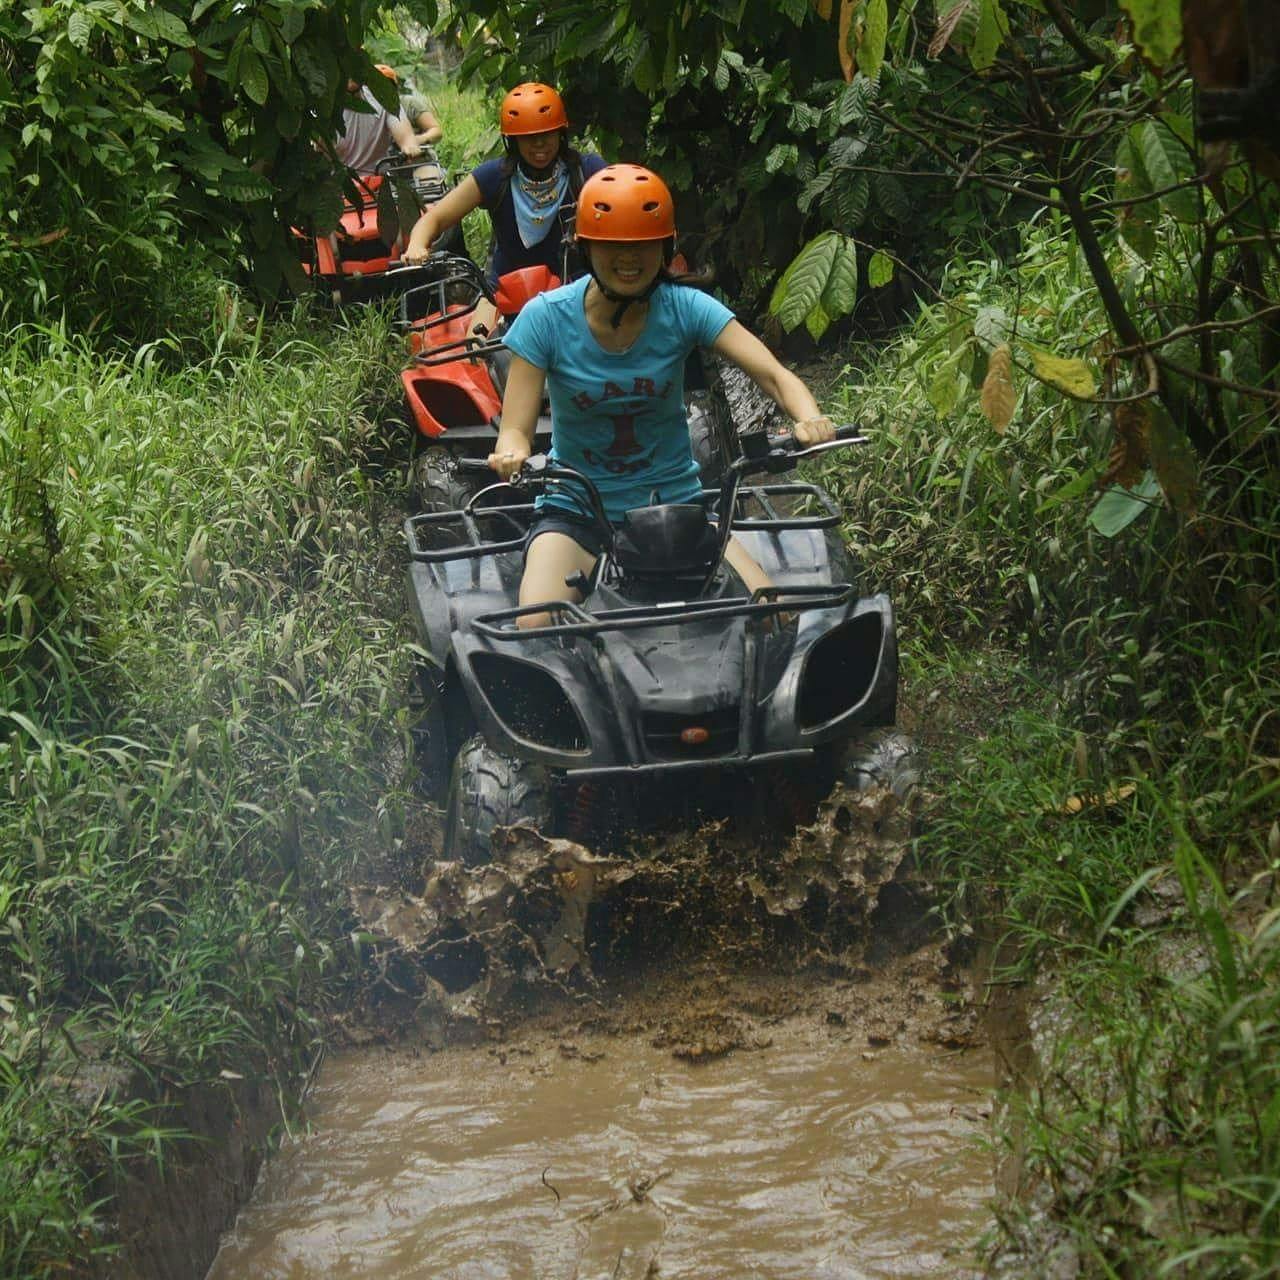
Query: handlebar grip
{"points": [[473, 466], [849, 431]]}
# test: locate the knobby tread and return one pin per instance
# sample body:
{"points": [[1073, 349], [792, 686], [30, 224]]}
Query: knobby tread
{"points": [[487, 791]]}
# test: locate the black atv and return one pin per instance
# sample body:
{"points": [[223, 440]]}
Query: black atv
{"points": [[667, 678]]}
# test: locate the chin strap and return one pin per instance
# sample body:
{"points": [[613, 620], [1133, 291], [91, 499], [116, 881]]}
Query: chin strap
{"points": [[624, 300]]}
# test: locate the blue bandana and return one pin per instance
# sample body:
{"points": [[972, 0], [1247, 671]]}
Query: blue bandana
{"points": [[537, 202]]}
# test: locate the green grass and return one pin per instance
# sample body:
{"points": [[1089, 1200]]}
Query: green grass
{"points": [[1140, 675], [199, 693]]}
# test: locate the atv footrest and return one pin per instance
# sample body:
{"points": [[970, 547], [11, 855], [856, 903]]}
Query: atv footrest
{"points": [[764, 603]]}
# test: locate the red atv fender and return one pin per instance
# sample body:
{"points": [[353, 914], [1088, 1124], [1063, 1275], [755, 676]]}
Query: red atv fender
{"points": [[459, 391]]}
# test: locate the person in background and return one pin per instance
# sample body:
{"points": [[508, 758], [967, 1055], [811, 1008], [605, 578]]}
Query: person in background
{"points": [[529, 192], [417, 107], [367, 136]]}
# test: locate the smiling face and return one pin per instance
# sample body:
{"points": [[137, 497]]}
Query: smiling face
{"points": [[626, 266], [538, 150]]}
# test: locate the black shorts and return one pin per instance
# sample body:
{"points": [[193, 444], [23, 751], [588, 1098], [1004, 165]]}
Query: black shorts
{"points": [[582, 529]]}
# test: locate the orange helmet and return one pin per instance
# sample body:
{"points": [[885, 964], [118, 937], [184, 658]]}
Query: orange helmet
{"points": [[389, 72], [625, 202], [532, 108]]}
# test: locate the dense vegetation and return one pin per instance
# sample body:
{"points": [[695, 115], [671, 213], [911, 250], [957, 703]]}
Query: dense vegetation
{"points": [[1067, 211], [199, 665]]}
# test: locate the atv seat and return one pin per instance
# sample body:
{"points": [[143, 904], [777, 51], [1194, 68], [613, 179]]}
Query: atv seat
{"points": [[665, 541]]}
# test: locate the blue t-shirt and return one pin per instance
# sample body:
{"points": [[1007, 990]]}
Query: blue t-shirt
{"points": [[619, 416], [509, 251]]}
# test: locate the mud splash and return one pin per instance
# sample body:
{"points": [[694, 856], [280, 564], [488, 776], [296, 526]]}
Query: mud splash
{"points": [[549, 915], [713, 1054]]}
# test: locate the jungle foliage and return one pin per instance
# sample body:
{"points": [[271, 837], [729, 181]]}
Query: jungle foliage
{"points": [[134, 134], [199, 653]]}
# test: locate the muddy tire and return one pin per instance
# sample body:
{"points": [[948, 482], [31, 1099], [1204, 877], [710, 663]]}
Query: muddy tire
{"points": [[437, 486], [882, 758], [486, 791], [705, 436]]}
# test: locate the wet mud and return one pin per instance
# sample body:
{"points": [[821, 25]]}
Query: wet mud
{"points": [[740, 1051], [729, 1136]]}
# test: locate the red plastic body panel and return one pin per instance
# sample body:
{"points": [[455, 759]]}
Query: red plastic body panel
{"points": [[517, 287], [460, 394]]}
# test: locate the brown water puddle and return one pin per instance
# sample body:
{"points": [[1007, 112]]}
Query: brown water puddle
{"points": [[807, 1156]]}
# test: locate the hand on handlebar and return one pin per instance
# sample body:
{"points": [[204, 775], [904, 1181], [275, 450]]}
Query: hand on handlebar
{"points": [[416, 254], [814, 431], [507, 459]]}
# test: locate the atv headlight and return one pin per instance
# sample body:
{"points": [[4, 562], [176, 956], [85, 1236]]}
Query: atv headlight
{"points": [[529, 702], [839, 670]]}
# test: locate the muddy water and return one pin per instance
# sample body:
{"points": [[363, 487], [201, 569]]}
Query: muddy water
{"points": [[804, 1155]]}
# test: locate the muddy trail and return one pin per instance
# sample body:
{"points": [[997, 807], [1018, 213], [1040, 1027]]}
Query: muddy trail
{"points": [[738, 1050]]}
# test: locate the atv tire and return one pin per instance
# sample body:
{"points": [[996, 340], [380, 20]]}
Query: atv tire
{"points": [[705, 438], [488, 791], [885, 758], [436, 482], [882, 758]]}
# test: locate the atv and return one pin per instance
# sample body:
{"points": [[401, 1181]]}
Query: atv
{"points": [[667, 677], [352, 263], [453, 388]]}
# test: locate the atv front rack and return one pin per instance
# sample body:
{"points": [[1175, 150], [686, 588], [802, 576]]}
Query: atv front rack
{"points": [[468, 348], [763, 603], [637, 745], [470, 542]]}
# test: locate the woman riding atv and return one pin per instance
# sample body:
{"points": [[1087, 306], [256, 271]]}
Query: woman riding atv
{"points": [[610, 349], [524, 191]]}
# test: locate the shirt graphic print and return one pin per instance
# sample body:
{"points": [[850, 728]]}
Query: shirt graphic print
{"points": [[619, 416]]}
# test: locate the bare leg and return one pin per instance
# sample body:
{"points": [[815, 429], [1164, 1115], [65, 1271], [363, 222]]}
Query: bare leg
{"points": [[552, 557], [743, 563], [483, 319]]}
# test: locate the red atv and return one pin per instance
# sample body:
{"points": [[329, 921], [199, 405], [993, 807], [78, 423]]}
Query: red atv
{"points": [[350, 264], [454, 320]]}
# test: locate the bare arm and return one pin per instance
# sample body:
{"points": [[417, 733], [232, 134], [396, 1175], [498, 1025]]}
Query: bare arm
{"points": [[428, 128], [520, 405], [403, 136], [775, 380], [441, 216]]}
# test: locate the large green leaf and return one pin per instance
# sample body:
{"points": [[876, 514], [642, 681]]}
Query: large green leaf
{"points": [[79, 28], [317, 66], [802, 285], [817, 321], [781, 156], [1157, 27], [1167, 163], [870, 51], [253, 75], [879, 269], [1134, 220], [841, 290], [993, 28], [892, 197], [847, 201], [1118, 508]]}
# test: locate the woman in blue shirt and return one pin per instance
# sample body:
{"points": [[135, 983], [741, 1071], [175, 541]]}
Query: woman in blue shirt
{"points": [[609, 350], [524, 191]]}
